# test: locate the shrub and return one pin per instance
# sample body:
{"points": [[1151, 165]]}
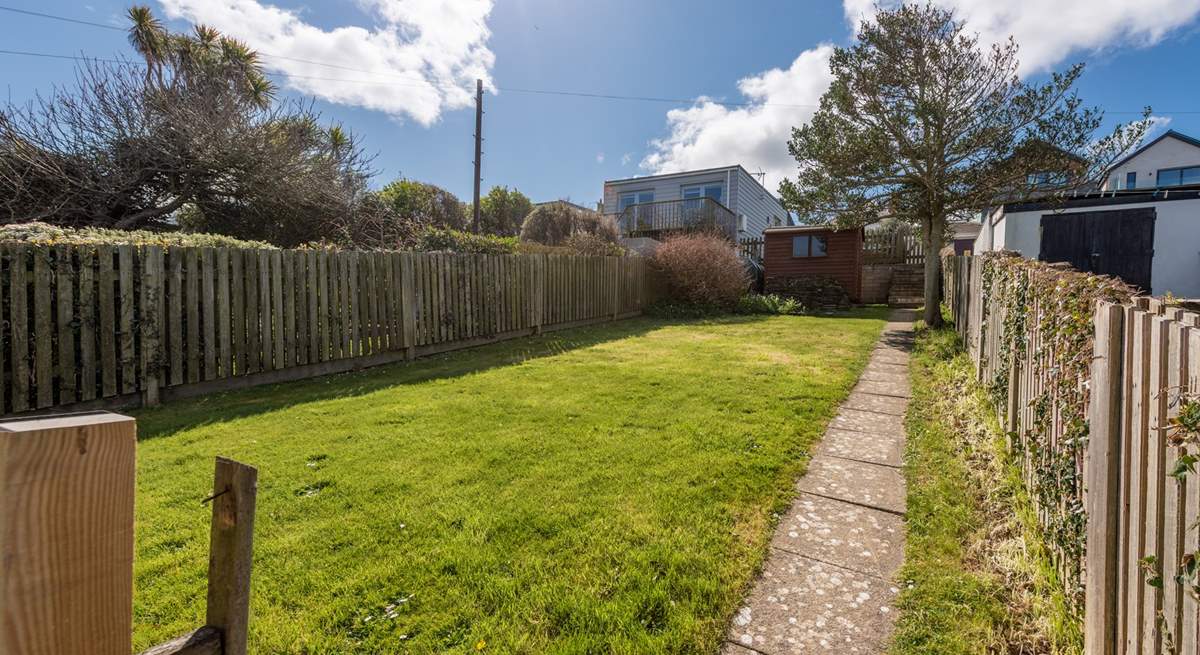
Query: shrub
{"points": [[46, 234], [682, 310], [753, 303], [701, 269], [445, 240], [592, 245], [553, 223]]}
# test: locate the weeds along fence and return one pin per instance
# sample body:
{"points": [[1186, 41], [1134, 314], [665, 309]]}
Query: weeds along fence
{"points": [[113, 325], [1098, 392]]}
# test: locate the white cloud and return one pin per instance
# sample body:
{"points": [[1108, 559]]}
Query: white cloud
{"points": [[626, 158], [1049, 32], [432, 50], [600, 158], [756, 136], [1158, 125], [708, 134]]}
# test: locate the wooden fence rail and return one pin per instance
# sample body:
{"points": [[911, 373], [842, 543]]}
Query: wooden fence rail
{"points": [[108, 325], [1141, 520]]}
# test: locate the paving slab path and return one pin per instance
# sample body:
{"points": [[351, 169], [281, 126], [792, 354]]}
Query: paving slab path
{"points": [[828, 583]]}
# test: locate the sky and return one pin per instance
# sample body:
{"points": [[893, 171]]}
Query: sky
{"points": [[401, 74]]}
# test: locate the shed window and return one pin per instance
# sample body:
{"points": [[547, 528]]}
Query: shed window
{"points": [[1131, 180], [808, 245]]}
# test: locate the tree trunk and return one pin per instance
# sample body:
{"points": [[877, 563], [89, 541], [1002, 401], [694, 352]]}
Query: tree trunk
{"points": [[934, 229]]}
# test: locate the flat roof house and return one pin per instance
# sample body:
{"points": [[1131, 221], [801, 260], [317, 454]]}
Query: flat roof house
{"points": [[1142, 226], [728, 199]]}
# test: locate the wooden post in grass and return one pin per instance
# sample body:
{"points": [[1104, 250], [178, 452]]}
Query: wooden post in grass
{"points": [[235, 487], [66, 534], [1102, 473]]}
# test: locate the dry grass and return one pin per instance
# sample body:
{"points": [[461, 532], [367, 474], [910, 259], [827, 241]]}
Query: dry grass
{"points": [[978, 580]]}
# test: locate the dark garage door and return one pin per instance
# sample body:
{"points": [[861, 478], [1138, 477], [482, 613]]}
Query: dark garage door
{"points": [[1116, 242]]}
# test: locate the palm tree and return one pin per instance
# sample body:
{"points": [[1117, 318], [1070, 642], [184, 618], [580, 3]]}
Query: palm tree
{"points": [[149, 38]]}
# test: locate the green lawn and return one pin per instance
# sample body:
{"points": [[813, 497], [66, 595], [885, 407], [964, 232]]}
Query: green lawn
{"points": [[605, 489]]}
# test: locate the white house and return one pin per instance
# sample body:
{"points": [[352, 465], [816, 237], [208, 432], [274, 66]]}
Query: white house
{"points": [[729, 198], [1171, 160], [1143, 225]]}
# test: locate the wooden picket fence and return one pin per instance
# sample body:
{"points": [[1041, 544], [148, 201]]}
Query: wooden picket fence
{"points": [[899, 244], [112, 325], [1140, 520]]}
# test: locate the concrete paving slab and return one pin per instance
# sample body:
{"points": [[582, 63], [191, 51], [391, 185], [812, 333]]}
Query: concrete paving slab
{"points": [[873, 485], [876, 403], [805, 606], [851, 536], [889, 356], [893, 376], [900, 389], [825, 585], [876, 448], [863, 421]]}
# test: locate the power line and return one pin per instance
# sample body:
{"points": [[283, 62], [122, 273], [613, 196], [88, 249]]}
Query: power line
{"points": [[61, 18], [423, 83]]}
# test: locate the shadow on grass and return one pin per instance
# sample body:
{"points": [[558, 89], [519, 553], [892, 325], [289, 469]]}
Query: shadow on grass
{"points": [[175, 416], [178, 415]]}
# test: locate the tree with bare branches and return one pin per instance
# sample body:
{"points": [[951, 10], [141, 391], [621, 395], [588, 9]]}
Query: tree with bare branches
{"points": [[924, 124], [193, 134]]}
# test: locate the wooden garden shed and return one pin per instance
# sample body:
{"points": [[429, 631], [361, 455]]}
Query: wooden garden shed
{"points": [[815, 250]]}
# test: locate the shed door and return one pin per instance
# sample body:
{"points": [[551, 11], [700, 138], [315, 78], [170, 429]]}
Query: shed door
{"points": [[1115, 242]]}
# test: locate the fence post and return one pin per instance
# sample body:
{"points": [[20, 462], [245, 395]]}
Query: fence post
{"points": [[1101, 474], [408, 305], [235, 487], [152, 289], [614, 266], [66, 534], [539, 294]]}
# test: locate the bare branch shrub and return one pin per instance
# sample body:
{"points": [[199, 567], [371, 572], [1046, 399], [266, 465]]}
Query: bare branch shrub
{"points": [[702, 269]]}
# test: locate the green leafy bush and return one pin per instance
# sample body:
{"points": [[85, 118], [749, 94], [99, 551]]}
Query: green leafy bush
{"points": [[753, 303], [46, 234], [446, 240]]}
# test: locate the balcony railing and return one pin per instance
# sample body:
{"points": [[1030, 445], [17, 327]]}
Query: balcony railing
{"points": [[655, 219]]}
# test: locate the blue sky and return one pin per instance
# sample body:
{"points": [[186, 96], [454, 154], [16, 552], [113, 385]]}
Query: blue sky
{"points": [[769, 53]]}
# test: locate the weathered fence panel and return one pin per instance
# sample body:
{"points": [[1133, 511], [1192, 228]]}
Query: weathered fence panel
{"points": [[116, 325], [1141, 510]]}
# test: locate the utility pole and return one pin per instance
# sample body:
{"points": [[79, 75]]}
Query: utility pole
{"points": [[478, 150]]}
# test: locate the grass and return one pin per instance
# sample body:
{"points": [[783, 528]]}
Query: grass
{"points": [[606, 489], [976, 578]]}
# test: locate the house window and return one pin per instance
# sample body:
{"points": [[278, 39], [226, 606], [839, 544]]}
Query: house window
{"points": [[634, 198], [1131, 180], [809, 246], [1045, 178], [1178, 176], [713, 191]]}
